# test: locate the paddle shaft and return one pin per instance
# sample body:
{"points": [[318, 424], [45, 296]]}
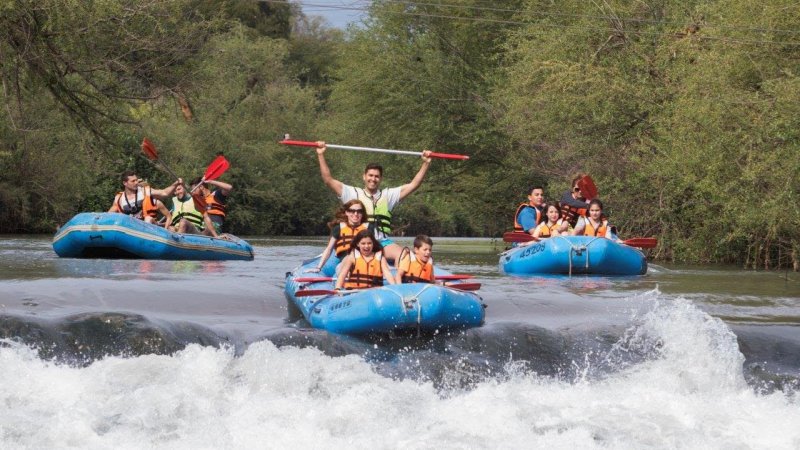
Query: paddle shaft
{"points": [[376, 150], [439, 277], [325, 292], [518, 236]]}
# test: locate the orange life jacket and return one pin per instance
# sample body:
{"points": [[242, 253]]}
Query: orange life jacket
{"points": [[414, 271], [589, 229], [545, 230], [345, 238], [571, 213], [214, 207], [517, 226], [143, 206], [365, 274]]}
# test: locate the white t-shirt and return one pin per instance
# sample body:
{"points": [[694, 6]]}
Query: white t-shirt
{"points": [[392, 197]]}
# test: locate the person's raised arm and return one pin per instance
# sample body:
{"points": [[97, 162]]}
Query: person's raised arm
{"points": [[168, 191], [225, 187], [344, 270], [325, 171], [412, 186], [325, 255]]}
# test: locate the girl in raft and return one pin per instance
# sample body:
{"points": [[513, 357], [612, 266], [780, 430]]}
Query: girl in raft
{"points": [[552, 222], [595, 223], [365, 266]]}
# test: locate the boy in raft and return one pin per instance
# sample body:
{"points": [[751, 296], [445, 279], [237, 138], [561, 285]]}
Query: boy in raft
{"points": [[349, 220], [530, 214], [365, 266], [416, 267]]}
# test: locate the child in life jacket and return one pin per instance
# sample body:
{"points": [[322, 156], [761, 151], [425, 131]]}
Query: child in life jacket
{"points": [[551, 224], [595, 223], [365, 266], [349, 220], [416, 267]]}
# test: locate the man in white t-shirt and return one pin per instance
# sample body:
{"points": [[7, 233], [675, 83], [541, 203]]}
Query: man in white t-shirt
{"points": [[379, 202]]}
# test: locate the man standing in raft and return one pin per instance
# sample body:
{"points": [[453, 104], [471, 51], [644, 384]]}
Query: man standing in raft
{"points": [[379, 202]]}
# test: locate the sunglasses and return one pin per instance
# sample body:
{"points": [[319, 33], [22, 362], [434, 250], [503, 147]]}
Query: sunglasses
{"points": [[355, 211], [576, 189]]}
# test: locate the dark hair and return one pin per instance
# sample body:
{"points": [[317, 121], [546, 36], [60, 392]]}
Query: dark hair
{"points": [[547, 207], [366, 234], [195, 181], [534, 187], [375, 166], [595, 201], [577, 178], [422, 239], [341, 216], [126, 174]]}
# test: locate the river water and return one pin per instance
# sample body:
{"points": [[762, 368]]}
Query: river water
{"points": [[164, 354]]}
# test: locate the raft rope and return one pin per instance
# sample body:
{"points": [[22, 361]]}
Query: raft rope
{"points": [[579, 249], [408, 302]]}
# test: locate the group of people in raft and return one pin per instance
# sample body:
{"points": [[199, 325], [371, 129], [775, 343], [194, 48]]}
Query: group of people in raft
{"points": [[574, 215], [360, 242], [139, 200]]}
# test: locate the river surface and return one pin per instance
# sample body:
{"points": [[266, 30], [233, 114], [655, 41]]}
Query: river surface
{"points": [[166, 354]]}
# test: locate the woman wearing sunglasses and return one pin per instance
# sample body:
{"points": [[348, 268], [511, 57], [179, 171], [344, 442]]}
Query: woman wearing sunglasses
{"points": [[573, 205], [348, 221]]}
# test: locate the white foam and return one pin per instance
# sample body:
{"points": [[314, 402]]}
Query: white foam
{"points": [[688, 393]]}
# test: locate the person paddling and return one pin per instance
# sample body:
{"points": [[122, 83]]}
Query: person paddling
{"points": [[365, 266], [185, 216], [349, 220], [379, 203], [140, 201], [573, 204]]}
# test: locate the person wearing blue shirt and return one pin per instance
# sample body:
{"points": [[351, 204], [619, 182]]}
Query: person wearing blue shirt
{"points": [[529, 214]]}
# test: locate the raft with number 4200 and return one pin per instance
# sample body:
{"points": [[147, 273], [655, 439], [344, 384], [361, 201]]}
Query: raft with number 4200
{"points": [[114, 235], [421, 307], [574, 255]]}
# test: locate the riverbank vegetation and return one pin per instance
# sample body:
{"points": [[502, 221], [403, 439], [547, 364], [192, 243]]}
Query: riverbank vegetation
{"points": [[685, 113]]}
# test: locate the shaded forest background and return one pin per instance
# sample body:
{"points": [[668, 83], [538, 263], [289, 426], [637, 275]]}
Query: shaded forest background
{"points": [[686, 113]]}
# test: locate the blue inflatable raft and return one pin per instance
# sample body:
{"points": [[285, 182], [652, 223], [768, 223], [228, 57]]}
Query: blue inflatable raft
{"points": [[574, 255], [114, 235], [420, 307]]}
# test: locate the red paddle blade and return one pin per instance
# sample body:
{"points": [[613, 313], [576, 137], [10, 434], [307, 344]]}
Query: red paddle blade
{"points": [[588, 188], [517, 236], [312, 279], [149, 149], [216, 168], [465, 286], [199, 202], [314, 293], [454, 277], [641, 242]]}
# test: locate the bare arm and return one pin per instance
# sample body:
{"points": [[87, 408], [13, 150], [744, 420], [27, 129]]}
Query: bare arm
{"points": [[325, 254], [226, 187], [344, 270], [165, 212], [412, 186], [578, 231], [387, 272], [168, 191], [325, 171]]}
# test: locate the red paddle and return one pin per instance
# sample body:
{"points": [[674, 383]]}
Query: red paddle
{"points": [[438, 277], [375, 150], [518, 236], [217, 167], [588, 188]]}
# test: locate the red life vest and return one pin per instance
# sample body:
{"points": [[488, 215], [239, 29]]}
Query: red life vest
{"points": [[365, 274], [571, 213]]}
